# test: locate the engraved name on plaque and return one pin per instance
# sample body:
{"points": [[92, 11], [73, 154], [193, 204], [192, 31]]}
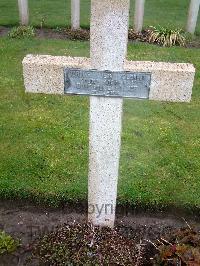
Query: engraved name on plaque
{"points": [[107, 83]]}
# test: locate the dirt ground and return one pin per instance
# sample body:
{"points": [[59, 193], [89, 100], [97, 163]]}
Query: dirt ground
{"points": [[27, 222], [4, 31]]}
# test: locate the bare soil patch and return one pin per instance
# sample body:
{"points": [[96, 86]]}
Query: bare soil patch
{"points": [[4, 31]]}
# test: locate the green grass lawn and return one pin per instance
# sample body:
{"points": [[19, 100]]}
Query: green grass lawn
{"points": [[44, 139], [164, 12]]}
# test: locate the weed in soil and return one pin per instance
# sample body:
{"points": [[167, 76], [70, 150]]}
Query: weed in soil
{"points": [[7, 243], [76, 244]]}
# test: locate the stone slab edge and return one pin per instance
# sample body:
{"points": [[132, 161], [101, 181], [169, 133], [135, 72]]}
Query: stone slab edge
{"points": [[169, 82]]}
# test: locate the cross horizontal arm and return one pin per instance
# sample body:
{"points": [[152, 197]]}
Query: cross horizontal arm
{"points": [[169, 81]]}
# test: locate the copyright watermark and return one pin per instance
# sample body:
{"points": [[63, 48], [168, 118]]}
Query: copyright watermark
{"points": [[101, 209]]}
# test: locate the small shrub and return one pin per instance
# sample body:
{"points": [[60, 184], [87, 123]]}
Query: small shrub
{"points": [[7, 243], [133, 35], [22, 32], [80, 34], [42, 22], [165, 36], [58, 29]]}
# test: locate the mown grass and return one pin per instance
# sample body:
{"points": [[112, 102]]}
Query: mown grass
{"points": [[164, 12], [44, 139]]}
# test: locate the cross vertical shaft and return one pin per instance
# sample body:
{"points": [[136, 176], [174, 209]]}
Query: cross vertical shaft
{"points": [[109, 35]]}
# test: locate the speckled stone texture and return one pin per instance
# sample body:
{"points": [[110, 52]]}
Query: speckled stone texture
{"points": [[170, 81], [45, 74], [108, 48]]}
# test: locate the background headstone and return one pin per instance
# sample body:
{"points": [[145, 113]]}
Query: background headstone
{"points": [[75, 14], [23, 12], [139, 15], [193, 16]]}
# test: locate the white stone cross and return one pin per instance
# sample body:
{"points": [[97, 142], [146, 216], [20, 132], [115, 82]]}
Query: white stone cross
{"points": [[109, 34]]}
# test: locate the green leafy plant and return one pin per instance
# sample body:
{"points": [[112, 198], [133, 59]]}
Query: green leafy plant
{"points": [[166, 36], [7, 243], [22, 32], [42, 22]]}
